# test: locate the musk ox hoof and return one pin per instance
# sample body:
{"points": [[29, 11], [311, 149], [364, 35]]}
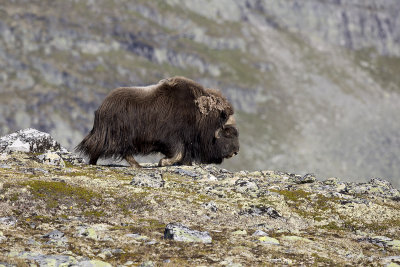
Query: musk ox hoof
{"points": [[134, 164], [165, 162]]}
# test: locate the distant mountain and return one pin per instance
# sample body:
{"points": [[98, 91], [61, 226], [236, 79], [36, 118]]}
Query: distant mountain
{"points": [[315, 83]]}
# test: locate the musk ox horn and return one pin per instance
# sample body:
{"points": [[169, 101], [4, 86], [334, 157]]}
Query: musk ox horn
{"points": [[216, 134], [231, 121]]}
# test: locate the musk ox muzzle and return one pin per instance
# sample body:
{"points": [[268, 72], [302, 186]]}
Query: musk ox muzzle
{"points": [[176, 117]]}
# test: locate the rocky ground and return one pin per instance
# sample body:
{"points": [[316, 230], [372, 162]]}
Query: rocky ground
{"points": [[314, 83], [57, 211]]}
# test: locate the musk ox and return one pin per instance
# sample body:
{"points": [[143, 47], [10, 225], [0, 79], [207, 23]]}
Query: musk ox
{"points": [[177, 117]]}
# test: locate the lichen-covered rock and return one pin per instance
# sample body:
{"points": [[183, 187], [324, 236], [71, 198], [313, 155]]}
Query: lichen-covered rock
{"points": [[180, 232], [56, 237], [33, 141], [28, 140], [376, 186], [44, 260]]}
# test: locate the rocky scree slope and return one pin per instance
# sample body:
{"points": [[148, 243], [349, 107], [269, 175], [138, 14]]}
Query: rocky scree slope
{"points": [[314, 83], [56, 210]]}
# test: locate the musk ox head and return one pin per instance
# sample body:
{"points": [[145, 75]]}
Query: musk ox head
{"points": [[214, 108], [226, 139]]}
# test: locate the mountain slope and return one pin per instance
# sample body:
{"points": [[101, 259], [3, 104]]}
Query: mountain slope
{"points": [[314, 91]]}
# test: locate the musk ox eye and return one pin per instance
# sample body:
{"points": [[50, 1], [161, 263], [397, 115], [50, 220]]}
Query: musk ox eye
{"points": [[230, 132], [224, 116]]}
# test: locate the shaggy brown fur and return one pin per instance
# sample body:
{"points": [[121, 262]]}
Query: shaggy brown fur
{"points": [[177, 117]]}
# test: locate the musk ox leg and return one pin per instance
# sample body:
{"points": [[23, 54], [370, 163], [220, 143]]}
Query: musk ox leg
{"points": [[93, 160], [177, 157], [131, 160]]}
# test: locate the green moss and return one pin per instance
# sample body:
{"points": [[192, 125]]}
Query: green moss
{"points": [[41, 218], [153, 224], [68, 164], [14, 197], [94, 213], [55, 193], [332, 226], [319, 260], [133, 202], [295, 195]]}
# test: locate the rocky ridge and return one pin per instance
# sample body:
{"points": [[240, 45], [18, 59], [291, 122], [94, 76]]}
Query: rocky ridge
{"points": [[73, 214]]}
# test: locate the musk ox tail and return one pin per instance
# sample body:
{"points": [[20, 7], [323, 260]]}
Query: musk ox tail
{"points": [[93, 144]]}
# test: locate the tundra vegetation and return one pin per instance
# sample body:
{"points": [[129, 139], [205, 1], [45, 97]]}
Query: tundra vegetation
{"points": [[76, 213]]}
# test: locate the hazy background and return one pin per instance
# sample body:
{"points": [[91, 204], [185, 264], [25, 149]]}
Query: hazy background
{"points": [[315, 83]]}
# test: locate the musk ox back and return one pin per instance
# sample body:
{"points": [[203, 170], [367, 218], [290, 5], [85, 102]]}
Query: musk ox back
{"points": [[177, 117]]}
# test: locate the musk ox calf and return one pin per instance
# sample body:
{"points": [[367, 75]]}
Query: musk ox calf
{"points": [[177, 117]]}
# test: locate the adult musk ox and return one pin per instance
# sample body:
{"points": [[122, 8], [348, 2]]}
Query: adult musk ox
{"points": [[177, 117]]}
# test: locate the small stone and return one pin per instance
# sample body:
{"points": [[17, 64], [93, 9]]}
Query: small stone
{"points": [[246, 186], [153, 180], [180, 232], [9, 221], [94, 263], [147, 264], [240, 232], [3, 156], [187, 173], [394, 244], [211, 177], [268, 240], [211, 206], [137, 237], [2, 237], [54, 235], [51, 158], [261, 210], [308, 178], [87, 232], [332, 181], [260, 233], [91, 233], [296, 238]]}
